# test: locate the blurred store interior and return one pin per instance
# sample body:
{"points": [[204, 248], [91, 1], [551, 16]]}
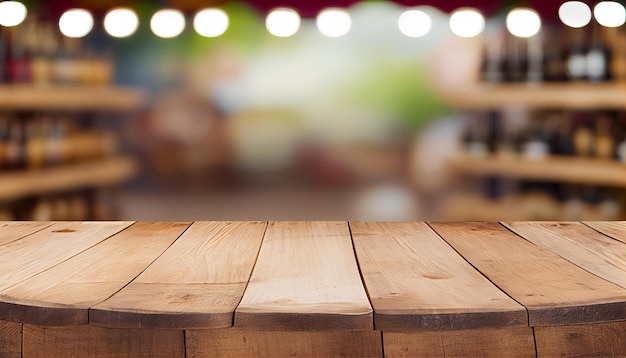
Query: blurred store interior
{"points": [[330, 110]]}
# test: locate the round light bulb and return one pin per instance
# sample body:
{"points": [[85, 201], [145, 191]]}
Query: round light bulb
{"points": [[333, 22], [523, 22], [121, 22], [76, 23], [610, 13], [167, 23], [467, 22], [210, 22], [414, 23], [12, 13], [575, 14], [282, 22]]}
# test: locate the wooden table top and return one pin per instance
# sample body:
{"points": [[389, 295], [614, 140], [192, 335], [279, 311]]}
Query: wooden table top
{"points": [[337, 276]]}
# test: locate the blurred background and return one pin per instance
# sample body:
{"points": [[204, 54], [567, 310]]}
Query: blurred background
{"points": [[328, 110]]}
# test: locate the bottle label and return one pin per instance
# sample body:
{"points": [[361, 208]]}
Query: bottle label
{"points": [[577, 66], [596, 64]]}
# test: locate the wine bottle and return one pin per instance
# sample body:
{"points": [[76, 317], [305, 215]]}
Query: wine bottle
{"points": [[598, 58], [577, 56]]}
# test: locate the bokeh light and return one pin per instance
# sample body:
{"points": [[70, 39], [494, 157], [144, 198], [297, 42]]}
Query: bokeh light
{"points": [[415, 23], [76, 23], [610, 14], [575, 14], [211, 22], [467, 22], [333, 22], [167, 23], [282, 22], [12, 13], [523, 22], [121, 22]]}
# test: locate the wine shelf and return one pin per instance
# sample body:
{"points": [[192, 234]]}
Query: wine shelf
{"points": [[552, 168], [582, 96], [97, 173], [71, 98]]}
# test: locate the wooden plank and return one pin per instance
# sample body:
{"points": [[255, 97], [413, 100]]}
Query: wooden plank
{"points": [[416, 281], [197, 282], [15, 230], [63, 294], [502, 342], [589, 340], [580, 245], [306, 278], [92, 341], [555, 291], [10, 339], [22, 259], [268, 344], [614, 229]]}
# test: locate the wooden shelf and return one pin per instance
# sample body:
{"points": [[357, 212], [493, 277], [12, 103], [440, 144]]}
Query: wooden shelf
{"points": [[104, 172], [71, 98], [547, 96], [553, 168]]}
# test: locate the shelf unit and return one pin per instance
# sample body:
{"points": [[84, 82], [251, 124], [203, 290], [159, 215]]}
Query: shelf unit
{"points": [[101, 172], [552, 168], [70, 98], [580, 96], [575, 170], [97, 173]]}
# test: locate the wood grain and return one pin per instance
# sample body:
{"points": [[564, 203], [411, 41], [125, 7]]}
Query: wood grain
{"points": [[91, 341], [22, 259], [305, 278], [15, 230], [10, 339], [592, 340], [416, 281], [268, 344], [614, 229], [197, 282], [555, 291], [503, 342], [63, 294], [580, 245]]}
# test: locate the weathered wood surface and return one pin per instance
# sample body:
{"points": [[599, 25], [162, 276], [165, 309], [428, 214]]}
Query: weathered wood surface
{"points": [[197, 282], [306, 278], [15, 230], [484, 342], [92, 341], [236, 342], [554, 291], [299, 288], [614, 229], [10, 339], [595, 252], [63, 294], [24, 258], [587, 340], [416, 281]]}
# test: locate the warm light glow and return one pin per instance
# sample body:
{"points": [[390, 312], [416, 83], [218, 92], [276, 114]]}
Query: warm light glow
{"points": [[76, 23], [523, 22], [167, 23], [12, 13], [210, 22], [467, 22], [414, 23], [610, 14], [575, 14], [121, 22], [282, 22], [333, 22]]}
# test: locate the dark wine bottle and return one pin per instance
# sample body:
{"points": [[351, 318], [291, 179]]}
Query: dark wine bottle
{"points": [[577, 56], [598, 58]]}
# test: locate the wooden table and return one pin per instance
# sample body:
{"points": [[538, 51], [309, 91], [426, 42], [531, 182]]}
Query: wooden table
{"points": [[257, 289]]}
